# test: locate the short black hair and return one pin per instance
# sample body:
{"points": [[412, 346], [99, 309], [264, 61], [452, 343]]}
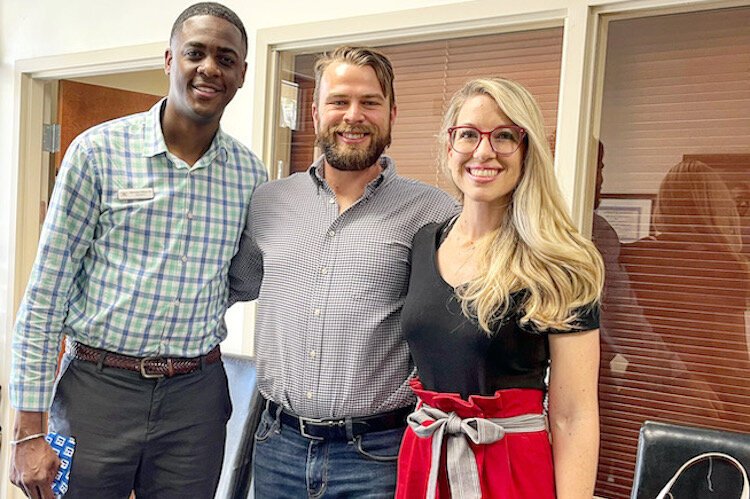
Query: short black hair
{"points": [[209, 9]]}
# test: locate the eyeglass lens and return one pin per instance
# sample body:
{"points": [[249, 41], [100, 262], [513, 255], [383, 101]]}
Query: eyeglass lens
{"points": [[503, 140]]}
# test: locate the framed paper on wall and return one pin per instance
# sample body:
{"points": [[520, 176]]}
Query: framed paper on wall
{"points": [[628, 214]]}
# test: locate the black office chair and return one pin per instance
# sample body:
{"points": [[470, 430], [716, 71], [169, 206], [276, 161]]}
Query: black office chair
{"points": [[247, 405], [663, 448]]}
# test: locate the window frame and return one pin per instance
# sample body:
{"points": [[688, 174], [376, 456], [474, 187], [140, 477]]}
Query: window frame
{"points": [[584, 25]]}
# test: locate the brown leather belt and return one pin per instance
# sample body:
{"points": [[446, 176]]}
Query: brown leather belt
{"points": [[149, 367]]}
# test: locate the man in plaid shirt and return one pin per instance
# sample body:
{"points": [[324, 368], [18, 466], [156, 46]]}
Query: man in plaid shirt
{"points": [[132, 268]]}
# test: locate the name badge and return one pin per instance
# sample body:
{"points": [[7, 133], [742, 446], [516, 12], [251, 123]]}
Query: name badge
{"points": [[135, 194]]}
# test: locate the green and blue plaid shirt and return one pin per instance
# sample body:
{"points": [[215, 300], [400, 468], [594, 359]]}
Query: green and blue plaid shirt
{"points": [[135, 250]]}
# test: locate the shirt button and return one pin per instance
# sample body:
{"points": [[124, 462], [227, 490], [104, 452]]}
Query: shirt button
{"points": [[331, 201], [331, 233], [312, 354], [184, 258], [316, 311], [324, 270], [189, 215], [309, 395], [176, 303]]}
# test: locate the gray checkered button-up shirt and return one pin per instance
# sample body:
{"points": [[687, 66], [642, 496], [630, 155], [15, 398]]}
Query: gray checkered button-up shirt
{"points": [[328, 332]]}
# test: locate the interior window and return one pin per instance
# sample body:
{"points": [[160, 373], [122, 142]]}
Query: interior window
{"points": [[672, 221], [427, 74]]}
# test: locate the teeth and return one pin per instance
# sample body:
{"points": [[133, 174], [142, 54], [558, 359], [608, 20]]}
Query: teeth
{"points": [[484, 172], [353, 136]]}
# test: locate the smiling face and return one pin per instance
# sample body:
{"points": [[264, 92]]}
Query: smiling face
{"points": [[483, 176], [206, 65], [352, 117]]}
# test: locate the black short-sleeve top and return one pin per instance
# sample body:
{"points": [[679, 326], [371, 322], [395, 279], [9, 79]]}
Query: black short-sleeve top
{"points": [[451, 353]]}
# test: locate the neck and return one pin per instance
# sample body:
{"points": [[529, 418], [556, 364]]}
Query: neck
{"points": [[186, 138], [350, 184], [479, 219]]}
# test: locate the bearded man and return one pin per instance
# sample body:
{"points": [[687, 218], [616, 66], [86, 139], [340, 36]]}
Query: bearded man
{"points": [[328, 255]]}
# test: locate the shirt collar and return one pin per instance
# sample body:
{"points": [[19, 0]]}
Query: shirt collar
{"points": [[389, 171], [154, 143], [153, 138]]}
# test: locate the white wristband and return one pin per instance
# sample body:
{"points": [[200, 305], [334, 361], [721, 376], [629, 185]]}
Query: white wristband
{"points": [[27, 438]]}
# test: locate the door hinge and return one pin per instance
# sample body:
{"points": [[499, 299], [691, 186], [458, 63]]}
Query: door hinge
{"points": [[51, 137]]}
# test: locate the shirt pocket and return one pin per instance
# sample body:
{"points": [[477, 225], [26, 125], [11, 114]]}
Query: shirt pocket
{"points": [[379, 272]]}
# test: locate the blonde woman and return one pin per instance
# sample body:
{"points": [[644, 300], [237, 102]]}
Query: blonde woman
{"points": [[692, 282], [499, 294]]}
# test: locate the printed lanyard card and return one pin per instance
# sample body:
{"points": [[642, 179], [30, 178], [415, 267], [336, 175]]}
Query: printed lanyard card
{"points": [[64, 448]]}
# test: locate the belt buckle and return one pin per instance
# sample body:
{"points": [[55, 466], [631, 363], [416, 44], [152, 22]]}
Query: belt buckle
{"points": [[330, 423], [303, 422], [145, 374]]}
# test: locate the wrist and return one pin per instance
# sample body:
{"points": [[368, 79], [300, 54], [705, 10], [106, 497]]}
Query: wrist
{"points": [[27, 438], [29, 423]]}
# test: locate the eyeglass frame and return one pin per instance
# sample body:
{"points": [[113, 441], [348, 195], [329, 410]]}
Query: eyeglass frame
{"points": [[520, 130]]}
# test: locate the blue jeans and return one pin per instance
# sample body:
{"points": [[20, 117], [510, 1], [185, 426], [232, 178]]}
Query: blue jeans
{"points": [[288, 465]]}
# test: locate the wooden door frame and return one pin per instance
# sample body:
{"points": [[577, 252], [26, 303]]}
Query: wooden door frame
{"points": [[28, 171], [31, 76]]}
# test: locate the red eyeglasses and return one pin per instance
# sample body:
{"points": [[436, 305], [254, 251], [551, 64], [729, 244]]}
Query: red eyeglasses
{"points": [[504, 140]]}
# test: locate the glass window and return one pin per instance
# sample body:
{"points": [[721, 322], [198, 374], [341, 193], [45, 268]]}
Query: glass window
{"points": [[672, 221], [427, 74]]}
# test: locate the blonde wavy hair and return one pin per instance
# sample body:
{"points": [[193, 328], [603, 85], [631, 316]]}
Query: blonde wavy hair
{"points": [[695, 204], [536, 249]]}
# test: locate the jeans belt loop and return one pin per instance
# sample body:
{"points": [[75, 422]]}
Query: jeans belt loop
{"points": [[349, 429], [276, 415]]}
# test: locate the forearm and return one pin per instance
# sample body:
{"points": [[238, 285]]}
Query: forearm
{"points": [[29, 423], [575, 448]]}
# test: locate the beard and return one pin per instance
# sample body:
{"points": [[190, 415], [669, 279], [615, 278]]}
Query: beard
{"points": [[347, 158]]}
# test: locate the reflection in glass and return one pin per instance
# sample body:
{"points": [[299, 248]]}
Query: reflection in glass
{"points": [[674, 343], [691, 282]]}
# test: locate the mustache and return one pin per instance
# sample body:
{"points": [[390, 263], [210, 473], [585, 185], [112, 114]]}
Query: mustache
{"points": [[352, 129], [329, 133]]}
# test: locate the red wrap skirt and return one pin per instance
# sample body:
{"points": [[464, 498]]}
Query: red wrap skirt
{"points": [[518, 466]]}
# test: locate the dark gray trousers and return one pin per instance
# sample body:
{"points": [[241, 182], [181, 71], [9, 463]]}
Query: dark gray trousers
{"points": [[162, 438]]}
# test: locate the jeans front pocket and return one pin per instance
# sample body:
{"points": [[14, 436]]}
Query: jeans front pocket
{"points": [[265, 427], [380, 446]]}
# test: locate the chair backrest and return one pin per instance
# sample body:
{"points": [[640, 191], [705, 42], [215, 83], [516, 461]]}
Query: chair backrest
{"points": [[663, 448], [234, 481]]}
